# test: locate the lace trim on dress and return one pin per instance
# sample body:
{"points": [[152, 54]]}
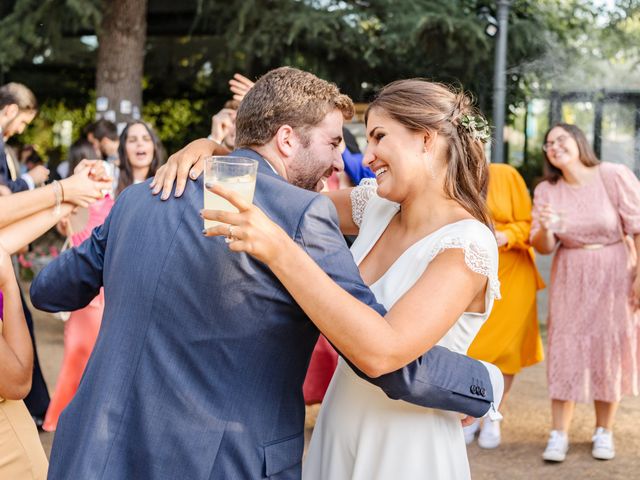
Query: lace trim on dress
{"points": [[360, 196], [476, 258]]}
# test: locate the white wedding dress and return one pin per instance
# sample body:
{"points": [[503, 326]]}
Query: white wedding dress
{"points": [[361, 434]]}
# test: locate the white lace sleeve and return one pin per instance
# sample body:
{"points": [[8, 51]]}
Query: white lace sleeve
{"points": [[477, 258], [360, 196]]}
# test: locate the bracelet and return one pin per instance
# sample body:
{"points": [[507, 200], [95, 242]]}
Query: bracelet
{"points": [[61, 190], [58, 194]]}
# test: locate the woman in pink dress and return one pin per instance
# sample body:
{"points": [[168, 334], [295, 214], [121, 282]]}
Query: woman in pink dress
{"points": [[581, 211], [81, 329]]}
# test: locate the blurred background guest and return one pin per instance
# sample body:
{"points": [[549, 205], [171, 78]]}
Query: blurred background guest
{"points": [[24, 216], [32, 161], [24, 153], [582, 210], [103, 135], [510, 339], [80, 150], [18, 108], [82, 326], [140, 152]]}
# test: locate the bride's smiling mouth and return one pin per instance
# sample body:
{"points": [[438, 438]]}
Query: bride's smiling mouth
{"points": [[380, 171]]}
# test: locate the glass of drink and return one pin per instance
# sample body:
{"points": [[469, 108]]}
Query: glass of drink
{"points": [[556, 222], [233, 173]]}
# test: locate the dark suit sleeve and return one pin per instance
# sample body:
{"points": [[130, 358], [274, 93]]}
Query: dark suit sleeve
{"points": [[73, 279], [438, 379], [15, 186]]}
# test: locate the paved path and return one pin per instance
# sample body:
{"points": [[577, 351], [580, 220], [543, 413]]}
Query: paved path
{"points": [[525, 427]]}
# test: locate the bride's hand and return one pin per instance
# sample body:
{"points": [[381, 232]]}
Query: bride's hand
{"points": [[249, 231], [468, 421], [185, 163]]}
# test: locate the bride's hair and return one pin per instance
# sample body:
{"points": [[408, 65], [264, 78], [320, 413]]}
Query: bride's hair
{"points": [[421, 106]]}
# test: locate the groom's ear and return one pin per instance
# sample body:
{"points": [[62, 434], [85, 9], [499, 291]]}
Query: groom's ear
{"points": [[286, 141]]}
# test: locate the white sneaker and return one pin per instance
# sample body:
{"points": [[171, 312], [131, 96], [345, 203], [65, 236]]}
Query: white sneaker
{"points": [[557, 447], [470, 432], [603, 448], [490, 434]]}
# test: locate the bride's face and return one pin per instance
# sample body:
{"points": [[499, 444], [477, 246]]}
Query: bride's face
{"points": [[396, 155]]}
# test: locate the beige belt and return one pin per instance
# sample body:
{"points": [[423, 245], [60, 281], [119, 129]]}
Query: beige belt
{"points": [[592, 246]]}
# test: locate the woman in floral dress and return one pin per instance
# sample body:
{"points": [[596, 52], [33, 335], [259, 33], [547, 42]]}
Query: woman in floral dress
{"points": [[585, 211]]}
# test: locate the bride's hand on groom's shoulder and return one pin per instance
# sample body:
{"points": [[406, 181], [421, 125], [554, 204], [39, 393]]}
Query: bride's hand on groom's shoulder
{"points": [[182, 165]]}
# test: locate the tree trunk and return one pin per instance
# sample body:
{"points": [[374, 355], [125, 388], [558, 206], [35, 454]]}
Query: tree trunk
{"points": [[121, 51]]}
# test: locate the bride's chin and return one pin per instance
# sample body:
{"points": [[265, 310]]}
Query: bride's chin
{"points": [[383, 190]]}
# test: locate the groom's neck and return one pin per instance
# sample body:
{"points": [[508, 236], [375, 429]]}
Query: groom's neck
{"points": [[273, 158]]}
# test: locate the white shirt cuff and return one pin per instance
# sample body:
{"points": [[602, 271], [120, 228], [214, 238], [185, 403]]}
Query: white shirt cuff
{"points": [[27, 178], [497, 384]]}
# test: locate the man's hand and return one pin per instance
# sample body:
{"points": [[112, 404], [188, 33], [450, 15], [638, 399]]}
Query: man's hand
{"points": [[240, 85], [39, 174], [468, 421], [185, 163], [222, 124], [98, 172]]}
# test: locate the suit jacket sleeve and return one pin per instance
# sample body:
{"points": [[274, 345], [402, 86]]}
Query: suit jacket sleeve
{"points": [[73, 279], [15, 186], [438, 379]]}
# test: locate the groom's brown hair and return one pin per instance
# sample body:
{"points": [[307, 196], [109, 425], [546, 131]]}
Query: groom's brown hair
{"points": [[287, 96]]}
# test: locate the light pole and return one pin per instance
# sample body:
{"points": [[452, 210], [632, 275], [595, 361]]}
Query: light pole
{"points": [[500, 81]]}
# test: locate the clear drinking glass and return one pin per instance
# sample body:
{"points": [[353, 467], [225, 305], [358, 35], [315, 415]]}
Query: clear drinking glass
{"points": [[233, 173], [556, 225]]}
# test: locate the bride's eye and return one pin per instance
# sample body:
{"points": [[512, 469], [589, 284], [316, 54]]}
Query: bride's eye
{"points": [[379, 136]]}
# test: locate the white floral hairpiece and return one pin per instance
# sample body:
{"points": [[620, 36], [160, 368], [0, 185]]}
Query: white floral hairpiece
{"points": [[477, 126]]}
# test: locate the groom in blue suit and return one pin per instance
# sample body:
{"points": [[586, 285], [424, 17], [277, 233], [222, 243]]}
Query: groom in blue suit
{"points": [[197, 372]]}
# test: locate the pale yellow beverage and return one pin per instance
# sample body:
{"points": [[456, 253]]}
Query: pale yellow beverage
{"points": [[245, 186], [237, 174]]}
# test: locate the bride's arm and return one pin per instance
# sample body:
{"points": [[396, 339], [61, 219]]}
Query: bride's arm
{"points": [[376, 345], [342, 201]]}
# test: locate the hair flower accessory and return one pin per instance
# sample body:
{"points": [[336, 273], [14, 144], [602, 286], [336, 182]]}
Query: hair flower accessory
{"points": [[477, 126]]}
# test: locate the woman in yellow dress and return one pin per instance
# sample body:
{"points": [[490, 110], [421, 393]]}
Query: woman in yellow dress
{"points": [[510, 338]]}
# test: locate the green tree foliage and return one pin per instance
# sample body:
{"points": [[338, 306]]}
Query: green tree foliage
{"points": [[32, 28], [359, 44], [177, 121]]}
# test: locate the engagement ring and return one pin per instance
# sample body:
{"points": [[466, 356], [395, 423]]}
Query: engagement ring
{"points": [[230, 236]]}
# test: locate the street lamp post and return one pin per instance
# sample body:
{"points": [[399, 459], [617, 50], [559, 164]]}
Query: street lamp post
{"points": [[500, 81]]}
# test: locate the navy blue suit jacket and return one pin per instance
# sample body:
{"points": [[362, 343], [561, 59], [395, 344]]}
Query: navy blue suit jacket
{"points": [[198, 368], [17, 185]]}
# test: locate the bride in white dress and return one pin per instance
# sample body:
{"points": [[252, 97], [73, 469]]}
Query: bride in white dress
{"points": [[425, 249]]}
